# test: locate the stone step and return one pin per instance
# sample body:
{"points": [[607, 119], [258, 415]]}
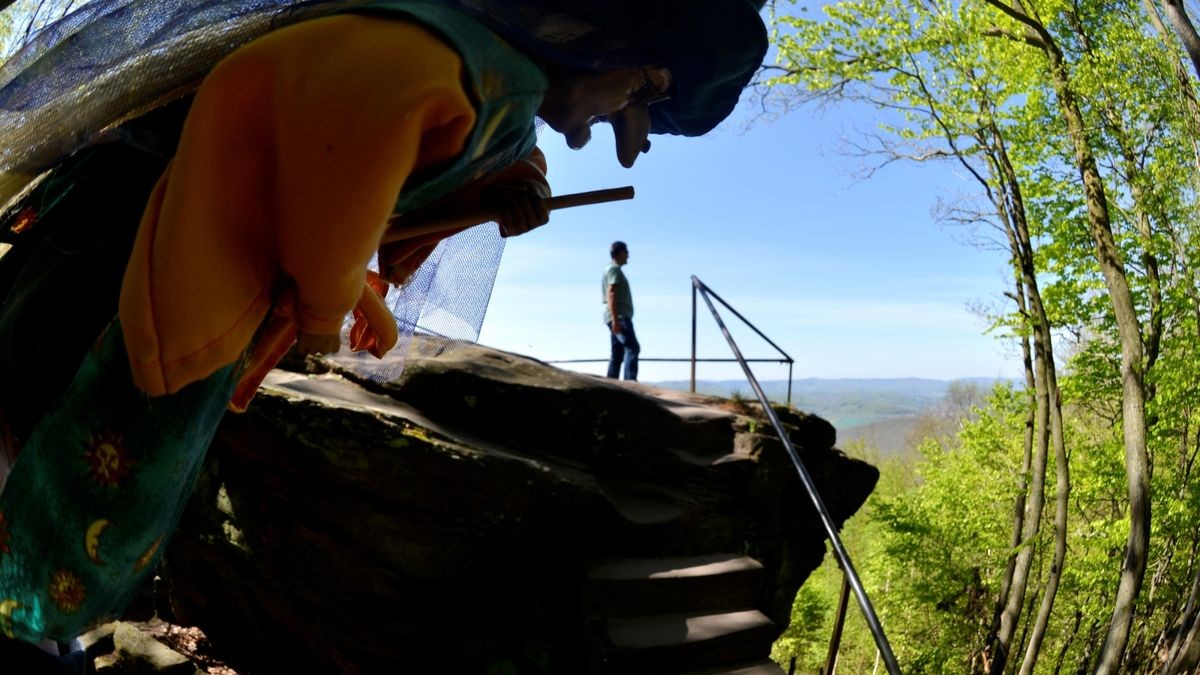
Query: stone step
{"points": [[658, 524], [668, 643], [645, 586], [764, 667]]}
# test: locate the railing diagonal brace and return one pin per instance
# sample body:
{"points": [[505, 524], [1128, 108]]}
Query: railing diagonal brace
{"points": [[843, 558]]}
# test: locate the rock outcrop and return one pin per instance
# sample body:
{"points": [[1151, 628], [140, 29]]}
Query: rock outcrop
{"points": [[446, 523]]}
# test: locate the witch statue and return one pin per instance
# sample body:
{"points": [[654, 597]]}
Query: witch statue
{"points": [[193, 189]]}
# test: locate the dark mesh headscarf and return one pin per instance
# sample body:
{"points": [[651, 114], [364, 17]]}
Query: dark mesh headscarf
{"points": [[110, 60]]}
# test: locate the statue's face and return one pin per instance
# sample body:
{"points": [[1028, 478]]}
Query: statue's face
{"points": [[576, 100]]}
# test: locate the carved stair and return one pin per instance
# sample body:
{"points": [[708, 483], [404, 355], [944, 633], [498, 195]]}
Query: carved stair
{"points": [[692, 615]]}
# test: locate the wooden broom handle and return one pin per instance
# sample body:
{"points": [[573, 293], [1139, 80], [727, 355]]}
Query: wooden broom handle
{"points": [[400, 227]]}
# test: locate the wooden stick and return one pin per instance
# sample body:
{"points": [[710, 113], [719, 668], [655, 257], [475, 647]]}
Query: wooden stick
{"points": [[402, 229]]}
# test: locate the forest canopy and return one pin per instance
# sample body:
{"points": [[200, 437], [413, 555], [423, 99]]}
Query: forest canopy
{"points": [[1052, 527]]}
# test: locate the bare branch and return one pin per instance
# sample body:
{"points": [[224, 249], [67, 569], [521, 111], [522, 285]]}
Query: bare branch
{"points": [[1026, 38], [946, 133], [1019, 16]]}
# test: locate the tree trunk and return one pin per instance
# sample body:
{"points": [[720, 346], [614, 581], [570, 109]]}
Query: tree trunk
{"points": [[1018, 516], [998, 641], [1061, 504], [1182, 658], [1133, 403], [1066, 645], [1045, 371], [1009, 617], [1039, 375], [1186, 88], [1178, 18], [1152, 337], [1019, 502]]}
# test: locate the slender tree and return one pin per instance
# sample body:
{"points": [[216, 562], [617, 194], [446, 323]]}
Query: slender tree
{"points": [[960, 114], [1032, 31], [1098, 130], [1182, 24]]}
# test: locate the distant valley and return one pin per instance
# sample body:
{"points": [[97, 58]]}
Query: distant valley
{"points": [[846, 403]]}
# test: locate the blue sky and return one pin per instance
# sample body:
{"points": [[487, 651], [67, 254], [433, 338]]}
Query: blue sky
{"points": [[852, 278]]}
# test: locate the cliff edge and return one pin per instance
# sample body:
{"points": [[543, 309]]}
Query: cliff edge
{"points": [[488, 513]]}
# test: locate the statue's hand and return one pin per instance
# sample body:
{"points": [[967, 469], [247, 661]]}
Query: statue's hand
{"points": [[374, 328], [520, 205]]}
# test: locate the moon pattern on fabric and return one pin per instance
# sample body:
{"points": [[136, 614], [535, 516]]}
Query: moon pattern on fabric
{"points": [[91, 541], [148, 555], [6, 610]]}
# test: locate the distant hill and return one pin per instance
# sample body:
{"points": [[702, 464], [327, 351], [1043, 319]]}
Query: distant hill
{"points": [[888, 437], [847, 403]]}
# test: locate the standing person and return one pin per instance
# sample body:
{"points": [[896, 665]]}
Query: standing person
{"points": [[618, 314], [212, 235]]}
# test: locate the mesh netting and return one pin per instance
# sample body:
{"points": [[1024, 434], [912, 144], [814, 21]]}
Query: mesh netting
{"points": [[445, 300], [110, 60]]}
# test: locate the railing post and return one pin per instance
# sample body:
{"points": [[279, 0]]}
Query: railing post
{"points": [[789, 399], [839, 620], [693, 389]]}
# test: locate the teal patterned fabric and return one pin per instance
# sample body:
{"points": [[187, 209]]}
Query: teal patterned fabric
{"points": [[97, 491], [104, 476]]}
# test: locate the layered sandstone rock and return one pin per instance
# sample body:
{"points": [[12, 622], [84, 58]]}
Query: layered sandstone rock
{"points": [[444, 523]]}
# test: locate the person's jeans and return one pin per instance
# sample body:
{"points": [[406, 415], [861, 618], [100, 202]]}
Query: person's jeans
{"points": [[625, 349]]}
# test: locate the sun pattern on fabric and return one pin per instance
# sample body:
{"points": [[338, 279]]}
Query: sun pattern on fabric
{"points": [[148, 555], [67, 591], [25, 220], [108, 458], [4, 535]]}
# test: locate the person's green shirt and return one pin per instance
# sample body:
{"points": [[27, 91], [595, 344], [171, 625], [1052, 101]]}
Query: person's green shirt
{"points": [[613, 276]]}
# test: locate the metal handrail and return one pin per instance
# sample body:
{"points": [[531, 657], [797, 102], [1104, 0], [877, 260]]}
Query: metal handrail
{"points": [[694, 360], [786, 358], [843, 558], [675, 360]]}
